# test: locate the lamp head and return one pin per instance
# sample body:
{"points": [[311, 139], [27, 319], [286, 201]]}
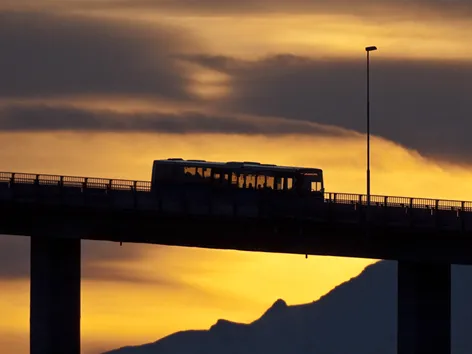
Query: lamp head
{"points": [[371, 48]]}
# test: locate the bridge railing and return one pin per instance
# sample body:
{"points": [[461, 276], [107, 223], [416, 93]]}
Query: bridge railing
{"points": [[402, 202], [145, 186], [73, 181]]}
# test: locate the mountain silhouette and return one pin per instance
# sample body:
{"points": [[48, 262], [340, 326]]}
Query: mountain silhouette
{"points": [[358, 316]]}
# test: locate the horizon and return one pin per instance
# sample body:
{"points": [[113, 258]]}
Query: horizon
{"points": [[104, 88]]}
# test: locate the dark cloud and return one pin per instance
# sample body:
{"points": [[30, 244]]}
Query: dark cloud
{"points": [[361, 8], [99, 261], [425, 105], [35, 118], [14, 257], [56, 55], [420, 104]]}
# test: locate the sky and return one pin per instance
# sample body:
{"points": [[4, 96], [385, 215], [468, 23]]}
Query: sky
{"points": [[103, 87]]}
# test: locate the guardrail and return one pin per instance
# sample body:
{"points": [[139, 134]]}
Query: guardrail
{"points": [[73, 181], [145, 186], [399, 202]]}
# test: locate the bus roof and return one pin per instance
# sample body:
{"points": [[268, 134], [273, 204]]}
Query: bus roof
{"points": [[236, 164]]}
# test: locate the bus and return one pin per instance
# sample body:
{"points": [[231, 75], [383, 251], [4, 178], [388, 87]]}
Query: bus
{"points": [[234, 175]]}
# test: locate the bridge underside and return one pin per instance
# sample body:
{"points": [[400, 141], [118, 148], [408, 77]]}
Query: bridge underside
{"points": [[325, 236], [423, 301]]}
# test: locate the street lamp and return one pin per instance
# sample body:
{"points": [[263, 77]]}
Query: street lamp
{"points": [[368, 50]]}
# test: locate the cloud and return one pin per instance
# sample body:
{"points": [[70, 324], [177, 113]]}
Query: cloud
{"points": [[14, 257], [361, 8], [36, 118], [46, 55], [99, 261], [423, 105]]}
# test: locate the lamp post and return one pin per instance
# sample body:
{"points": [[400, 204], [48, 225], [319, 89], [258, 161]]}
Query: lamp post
{"points": [[368, 50]]}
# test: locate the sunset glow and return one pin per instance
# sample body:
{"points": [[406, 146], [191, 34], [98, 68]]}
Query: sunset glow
{"points": [[106, 89]]}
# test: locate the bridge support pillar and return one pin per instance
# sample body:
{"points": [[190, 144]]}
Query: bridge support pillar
{"points": [[424, 308], [55, 296]]}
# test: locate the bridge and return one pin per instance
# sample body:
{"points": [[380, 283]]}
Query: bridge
{"points": [[425, 236]]}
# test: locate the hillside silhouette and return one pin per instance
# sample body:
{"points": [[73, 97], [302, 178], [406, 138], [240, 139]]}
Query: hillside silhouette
{"points": [[358, 316]]}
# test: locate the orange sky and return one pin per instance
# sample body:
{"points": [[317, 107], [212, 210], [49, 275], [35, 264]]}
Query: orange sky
{"points": [[204, 285], [212, 284]]}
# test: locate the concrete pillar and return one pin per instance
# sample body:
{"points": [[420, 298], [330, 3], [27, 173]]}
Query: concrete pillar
{"points": [[55, 296], [424, 308]]}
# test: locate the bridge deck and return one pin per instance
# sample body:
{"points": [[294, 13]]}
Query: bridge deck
{"points": [[122, 210]]}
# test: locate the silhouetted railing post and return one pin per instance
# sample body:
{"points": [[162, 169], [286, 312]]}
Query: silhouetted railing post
{"points": [[135, 194], [461, 215], [436, 214]]}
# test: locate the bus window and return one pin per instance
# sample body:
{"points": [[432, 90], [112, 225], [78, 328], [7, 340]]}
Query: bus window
{"points": [[207, 172], [260, 180], [190, 171], [289, 183], [241, 181], [250, 181], [216, 177], [234, 179], [315, 186], [279, 183], [199, 172], [270, 182], [225, 180]]}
